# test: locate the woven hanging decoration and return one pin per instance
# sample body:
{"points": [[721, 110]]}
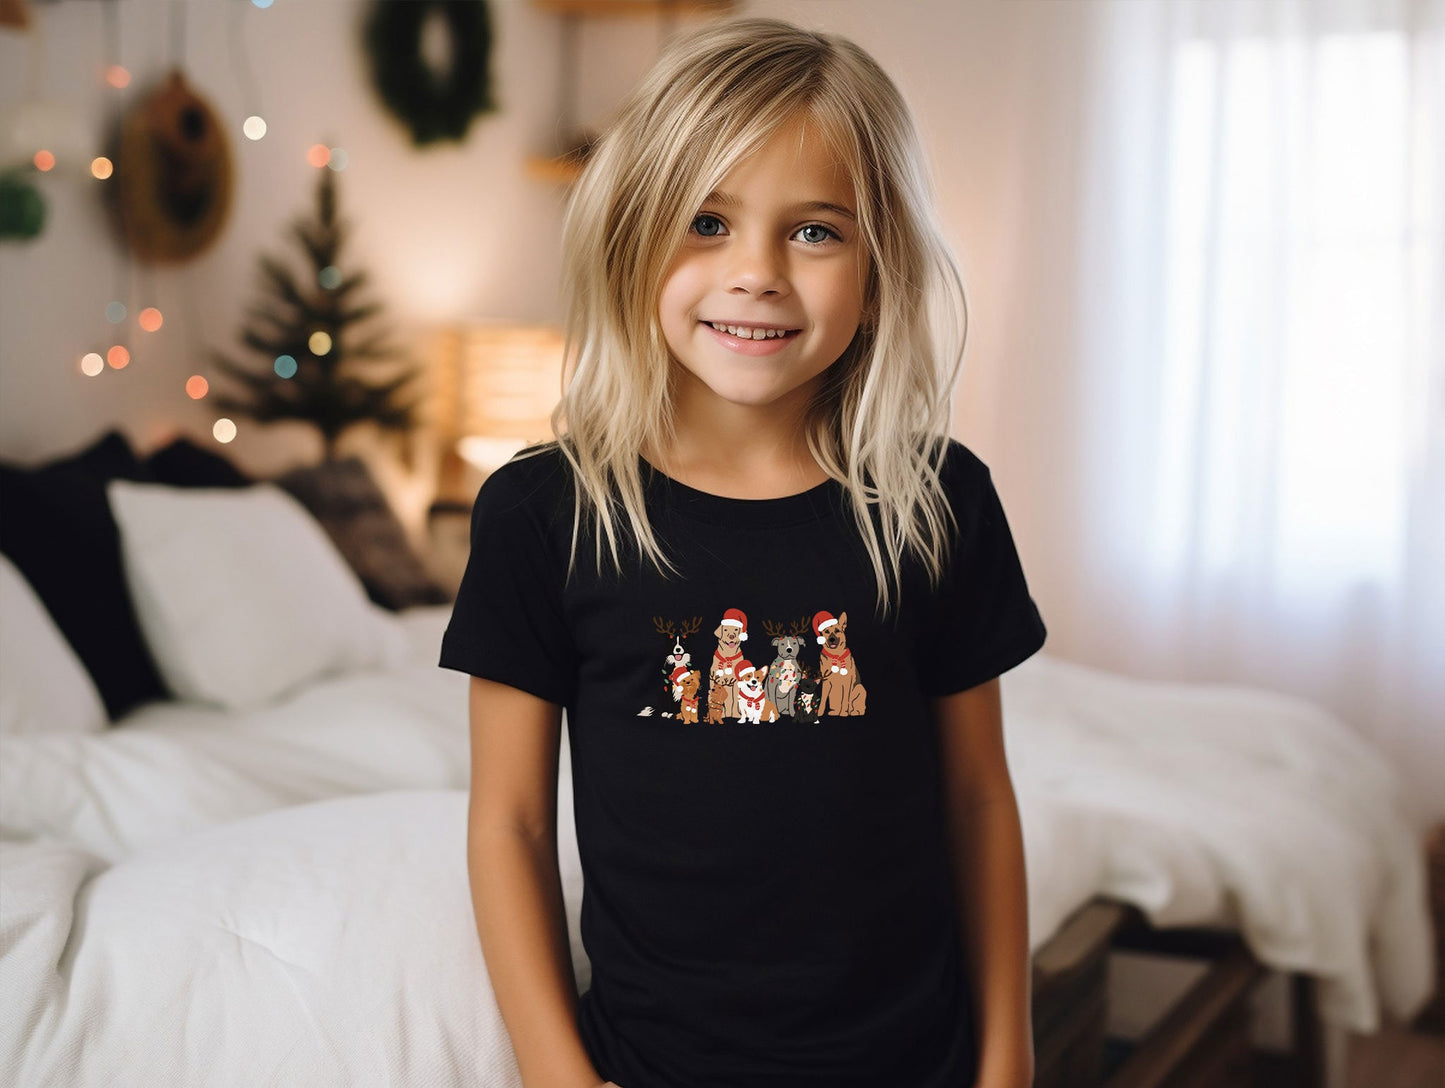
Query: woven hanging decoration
{"points": [[174, 176]]}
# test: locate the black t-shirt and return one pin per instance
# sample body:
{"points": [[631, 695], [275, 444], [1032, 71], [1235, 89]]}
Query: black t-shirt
{"points": [[760, 819]]}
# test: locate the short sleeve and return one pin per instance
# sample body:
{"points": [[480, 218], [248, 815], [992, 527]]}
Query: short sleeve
{"points": [[508, 623], [982, 621]]}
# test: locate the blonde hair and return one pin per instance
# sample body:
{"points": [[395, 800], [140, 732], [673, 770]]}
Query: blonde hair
{"points": [[879, 423]]}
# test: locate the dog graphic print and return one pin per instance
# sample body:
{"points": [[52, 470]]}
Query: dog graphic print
{"points": [[794, 686]]}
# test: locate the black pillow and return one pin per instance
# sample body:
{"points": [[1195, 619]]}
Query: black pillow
{"points": [[57, 528], [185, 464]]}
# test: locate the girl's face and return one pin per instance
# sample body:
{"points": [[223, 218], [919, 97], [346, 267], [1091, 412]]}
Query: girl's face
{"points": [[775, 247]]}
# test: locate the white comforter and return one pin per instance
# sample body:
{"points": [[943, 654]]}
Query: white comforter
{"points": [[333, 942], [1215, 805]]}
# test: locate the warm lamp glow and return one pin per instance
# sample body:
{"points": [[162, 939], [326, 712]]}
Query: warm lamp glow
{"points": [[101, 167], [497, 386]]}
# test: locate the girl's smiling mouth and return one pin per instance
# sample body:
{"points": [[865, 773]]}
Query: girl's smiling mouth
{"points": [[750, 339]]}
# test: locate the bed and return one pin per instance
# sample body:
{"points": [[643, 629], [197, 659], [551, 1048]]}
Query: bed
{"points": [[261, 878]]}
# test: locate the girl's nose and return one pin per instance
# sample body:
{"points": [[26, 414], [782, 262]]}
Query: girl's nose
{"points": [[757, 268]]}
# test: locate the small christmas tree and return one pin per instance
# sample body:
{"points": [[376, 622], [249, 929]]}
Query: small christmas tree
{"points": [[306, 329]]}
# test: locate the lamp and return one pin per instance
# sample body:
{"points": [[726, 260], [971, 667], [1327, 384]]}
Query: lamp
{"points": [[497, 385]]}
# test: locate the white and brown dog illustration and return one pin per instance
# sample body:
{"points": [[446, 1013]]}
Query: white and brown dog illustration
{"points": [[843, 693], [731, 633], [753, 702]]}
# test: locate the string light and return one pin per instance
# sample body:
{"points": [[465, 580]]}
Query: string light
{"points": [[285, 366], [338, 159], [101, 167], [91, 364], [197, 387], [150, 319], [319, 343], [118, 356], [115, 312], [262, 4], [318, 155], [224, 430], [254, 127], [44, 161], [117, 76], [329, 277]]}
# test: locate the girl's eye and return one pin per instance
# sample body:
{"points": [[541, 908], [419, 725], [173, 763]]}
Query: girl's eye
{"points": [[709, 226], [819, 234]]}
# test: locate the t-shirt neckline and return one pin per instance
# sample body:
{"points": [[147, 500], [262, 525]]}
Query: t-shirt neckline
{"points": [[814, 504]]}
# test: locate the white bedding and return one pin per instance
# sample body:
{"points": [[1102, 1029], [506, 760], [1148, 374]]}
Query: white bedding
{"points": [[333, 943], [172, 767], [1213, 805]]}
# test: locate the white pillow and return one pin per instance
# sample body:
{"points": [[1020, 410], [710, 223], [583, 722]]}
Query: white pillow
{"points": [[241, 595], [43, 686]]}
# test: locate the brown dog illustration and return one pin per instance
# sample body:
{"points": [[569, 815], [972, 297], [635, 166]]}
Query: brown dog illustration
{"points": [[687, 686], [843, 693], [717, 701], [731, 633]]}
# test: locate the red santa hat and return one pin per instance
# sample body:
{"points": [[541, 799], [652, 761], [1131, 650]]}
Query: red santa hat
{"points": [[734, 617], [678, 673], [821, 622], [745, 667]]}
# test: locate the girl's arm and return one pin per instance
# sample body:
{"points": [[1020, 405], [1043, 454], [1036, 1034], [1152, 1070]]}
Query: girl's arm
{"points": [[516, 888], [986, 844]]}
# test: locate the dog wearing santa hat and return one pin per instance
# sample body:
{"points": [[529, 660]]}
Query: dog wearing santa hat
{"points": [[731, 633], [843, 692], [753, 702], [685, 683]]}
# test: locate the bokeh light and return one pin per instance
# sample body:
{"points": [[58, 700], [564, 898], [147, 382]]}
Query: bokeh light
{"points": [[224, 430], [318, 155], [320, 343], [117, 76], [118, 356], [339, 158], [150, 319], [44, 160], [115, 312], [285, 366], [262, 4], [197, 387], [329, 277], [254, 127], [91, 364], [101, 167]]}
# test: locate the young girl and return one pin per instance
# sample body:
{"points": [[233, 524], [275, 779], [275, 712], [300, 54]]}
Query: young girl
{"points": [[772, 595]]}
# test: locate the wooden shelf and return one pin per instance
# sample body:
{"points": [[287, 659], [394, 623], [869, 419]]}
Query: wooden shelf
{"points": [[634, 7]]}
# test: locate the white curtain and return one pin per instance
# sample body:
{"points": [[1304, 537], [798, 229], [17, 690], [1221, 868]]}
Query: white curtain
{"points": [[1258, 436]]}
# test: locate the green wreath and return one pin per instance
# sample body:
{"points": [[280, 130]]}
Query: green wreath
{"points": [[434, 105]]}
